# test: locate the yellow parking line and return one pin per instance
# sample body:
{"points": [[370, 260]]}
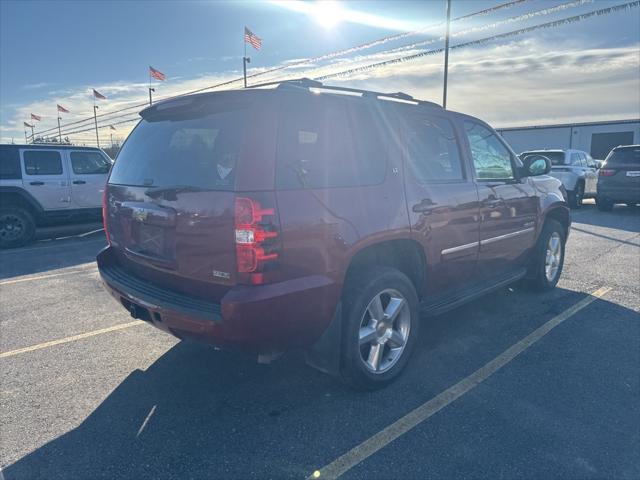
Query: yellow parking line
{"points": [[429, 408], [73, 338], [90, 268]]}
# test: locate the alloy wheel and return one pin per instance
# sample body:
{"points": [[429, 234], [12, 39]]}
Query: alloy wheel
{"points": [[384, 331], [11, 227], [554, 257]]}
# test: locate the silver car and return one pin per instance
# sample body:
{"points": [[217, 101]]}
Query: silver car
{"points": [[575, 169]]}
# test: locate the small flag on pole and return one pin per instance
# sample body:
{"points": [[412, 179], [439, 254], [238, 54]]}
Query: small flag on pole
{"points": [[157, 74], [98, 95], [111, 127], [252, 39], [62, 109], [27, 125], [36, 117]]}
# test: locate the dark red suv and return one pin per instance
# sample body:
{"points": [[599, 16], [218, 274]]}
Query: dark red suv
{"points": [[300, 215]]}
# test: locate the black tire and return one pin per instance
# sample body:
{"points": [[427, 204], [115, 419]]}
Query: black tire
{"points": [[361, 289], [539, 280], [17, 227], [604, 204], [576, 196]]}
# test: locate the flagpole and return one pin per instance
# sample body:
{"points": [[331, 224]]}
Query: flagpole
{"points": [[33, 135], [25, 136], [244, 58], [95, 119], [150, 89], [59, 130]]}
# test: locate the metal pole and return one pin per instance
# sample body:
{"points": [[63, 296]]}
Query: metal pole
{"points": [[95, 119], [446, 56], [33, 135], [25, 136], [111, 135], [244, 62], [59, 130], [150, 89]]}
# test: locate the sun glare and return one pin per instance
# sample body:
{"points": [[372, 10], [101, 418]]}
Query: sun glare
{"points": [[328, 13]]}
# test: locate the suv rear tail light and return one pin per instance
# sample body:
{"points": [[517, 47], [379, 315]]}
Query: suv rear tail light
{"points": [[257, 240], [105, 212], [607, 172]]}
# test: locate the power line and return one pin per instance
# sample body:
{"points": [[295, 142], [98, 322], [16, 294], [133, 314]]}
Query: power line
{"points": [[327, 56], [555, 23]]}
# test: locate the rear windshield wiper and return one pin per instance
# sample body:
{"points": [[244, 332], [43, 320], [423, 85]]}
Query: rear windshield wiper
{"points": [[171, 190]]}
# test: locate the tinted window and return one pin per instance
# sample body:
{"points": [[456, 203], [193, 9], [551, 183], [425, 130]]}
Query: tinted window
{"points": [[329, 142], [184, 148], [42, 162], [9, 163], [491, 158], [433, 150], [624, 156], [88, 163]]}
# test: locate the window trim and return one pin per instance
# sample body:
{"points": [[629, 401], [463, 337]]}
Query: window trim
{"points": [[23, 165], [73, 170], [463, 164]]}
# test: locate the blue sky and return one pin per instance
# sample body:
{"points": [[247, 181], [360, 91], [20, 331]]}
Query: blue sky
{"points": [[54, 52]]}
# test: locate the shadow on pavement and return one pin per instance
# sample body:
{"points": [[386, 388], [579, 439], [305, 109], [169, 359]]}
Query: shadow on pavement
{"points": [[200, 413], [621, 217], [64, 247]]}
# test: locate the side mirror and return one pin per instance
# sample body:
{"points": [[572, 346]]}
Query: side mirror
{"points": [[535, 165]]}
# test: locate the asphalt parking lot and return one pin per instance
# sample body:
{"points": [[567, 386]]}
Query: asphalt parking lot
{"points": [[87, 393]]}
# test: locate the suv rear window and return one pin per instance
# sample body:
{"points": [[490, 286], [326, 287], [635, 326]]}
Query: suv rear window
{"points": [[624, 156], [195, 148], [324, 141]]}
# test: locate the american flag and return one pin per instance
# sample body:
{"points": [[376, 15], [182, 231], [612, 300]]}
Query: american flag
{"points": [[27, 125], [157, 74], [62, 109], [97, 94], [252, 38], [36, 117]]}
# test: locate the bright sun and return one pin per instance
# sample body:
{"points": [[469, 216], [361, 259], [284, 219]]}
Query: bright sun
{"points": [[328, 13]]}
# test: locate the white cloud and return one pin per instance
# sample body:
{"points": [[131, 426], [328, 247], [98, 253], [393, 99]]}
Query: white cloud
{"points": [[521, 82]]}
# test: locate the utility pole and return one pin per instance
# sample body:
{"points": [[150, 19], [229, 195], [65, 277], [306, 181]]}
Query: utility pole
{"points": [[446, 56], [95, 119], [59, 130]]}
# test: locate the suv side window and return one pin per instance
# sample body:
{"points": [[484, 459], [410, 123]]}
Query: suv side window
{"points": [[433, 152], [328, 142], [9, 163], [42, 162], [491, 158], [575, 160], [89, 163]]}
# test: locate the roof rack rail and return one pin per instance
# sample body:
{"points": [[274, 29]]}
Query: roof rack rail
{"points": [[308, 83]]}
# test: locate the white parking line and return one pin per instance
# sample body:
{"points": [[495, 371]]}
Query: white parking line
{"points": [[73, 338], [85, 268], [429, 408], [146, 420]]}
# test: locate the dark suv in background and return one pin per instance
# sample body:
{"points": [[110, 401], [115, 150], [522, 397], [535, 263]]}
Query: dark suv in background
{"points": [[316, 217], [619, 178]]}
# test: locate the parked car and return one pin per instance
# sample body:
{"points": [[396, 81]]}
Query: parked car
{"points": [[575, 169], [619, 178], [47, 185], [317, 217]]}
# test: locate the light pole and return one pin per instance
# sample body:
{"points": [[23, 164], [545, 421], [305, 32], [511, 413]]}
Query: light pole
{"points": [[446, 57]]}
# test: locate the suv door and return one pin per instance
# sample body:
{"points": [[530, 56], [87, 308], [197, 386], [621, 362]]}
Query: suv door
{"points": [[45, 177], [89, 171], [508, 205], [442, 202]]}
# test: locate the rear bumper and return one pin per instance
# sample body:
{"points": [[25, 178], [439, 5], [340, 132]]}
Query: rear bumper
{"points": [[273, 317], [620, 193]]}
